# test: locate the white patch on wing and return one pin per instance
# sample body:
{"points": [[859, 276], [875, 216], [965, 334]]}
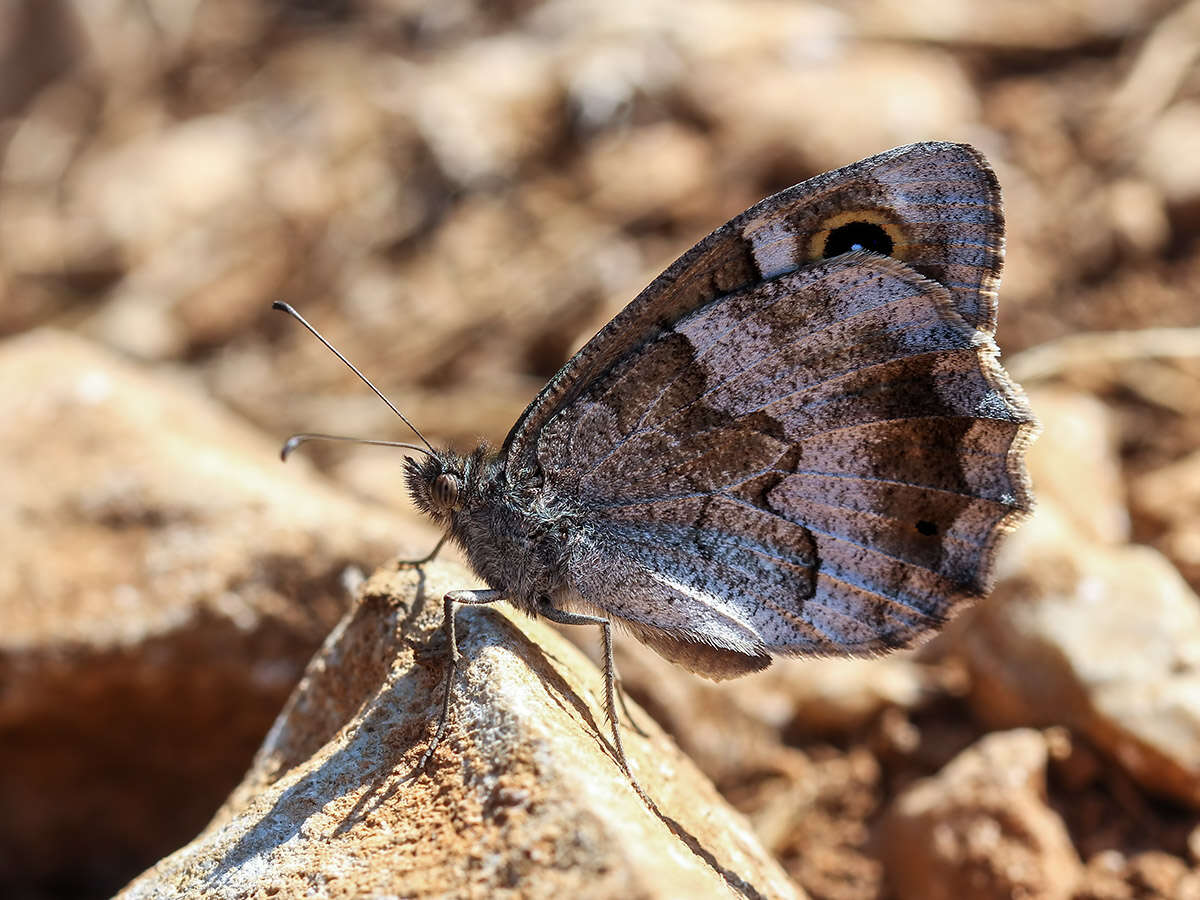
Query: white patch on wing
{"points": [[774, 246], [724, 608]]}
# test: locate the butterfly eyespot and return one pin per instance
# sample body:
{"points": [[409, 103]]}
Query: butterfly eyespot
{"points": [[858, 236], [444, 491], [872, 230], [927, 528]]}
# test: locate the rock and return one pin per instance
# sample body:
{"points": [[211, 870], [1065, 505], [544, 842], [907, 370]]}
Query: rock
{"points": [[770, 108], [785, 746], [1165, 160], [165, 580], [1166, 501], [38, 41], [1102, 639], [981, 828], [1112, 876], [1035, 26], [1074, 462], [523, 798], [730, 726], [1139, 216], [487, 109], [673, 166], [195, 282]]}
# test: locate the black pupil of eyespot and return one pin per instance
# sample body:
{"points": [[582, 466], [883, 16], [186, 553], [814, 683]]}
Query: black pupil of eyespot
{"points": [[927, 528], [858, 236]]}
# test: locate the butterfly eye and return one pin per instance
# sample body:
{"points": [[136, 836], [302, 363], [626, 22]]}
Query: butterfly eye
{"points": [[857, 230], [444, 491]]}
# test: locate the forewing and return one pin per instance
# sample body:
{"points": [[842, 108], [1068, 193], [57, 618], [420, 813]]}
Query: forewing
{"points": [[936, 204], [817, 464]]}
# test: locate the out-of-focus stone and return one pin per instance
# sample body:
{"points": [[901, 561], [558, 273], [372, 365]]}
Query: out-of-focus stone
{"points": [[488, 109], [523, 798], [767, 109], [1074, 462], [1165, 159], [1110, 875], [1139, 216], [648, 171], [1167, 503], [981, 828], [39, 39], [1022, 24], [730, 725], [1102, 639], [190, 282], [165, 579]]}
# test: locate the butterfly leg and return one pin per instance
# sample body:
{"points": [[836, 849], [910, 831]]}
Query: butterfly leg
{"points": [[625, 709], [414, 563], [562, 617], [471, 598]]}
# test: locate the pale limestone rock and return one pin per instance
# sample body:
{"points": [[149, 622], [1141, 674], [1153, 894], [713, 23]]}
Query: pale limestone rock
{"points": [[981, 828], [1074, 462], [523, 798], [1102, 639], [1083, 630]]}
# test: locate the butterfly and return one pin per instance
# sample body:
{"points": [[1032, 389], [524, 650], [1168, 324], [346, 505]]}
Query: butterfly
{"points": [[798, 440]]}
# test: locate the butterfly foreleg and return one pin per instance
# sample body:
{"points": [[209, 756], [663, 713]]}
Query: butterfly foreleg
{"points": [[470, 598], [428, 557]]}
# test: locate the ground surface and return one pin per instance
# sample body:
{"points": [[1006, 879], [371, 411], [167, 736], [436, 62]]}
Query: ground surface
{"points": [[461, 193]]}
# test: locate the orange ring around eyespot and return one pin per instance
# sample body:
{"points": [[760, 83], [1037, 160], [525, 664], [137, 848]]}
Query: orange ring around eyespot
{"points": [[900, 241]]}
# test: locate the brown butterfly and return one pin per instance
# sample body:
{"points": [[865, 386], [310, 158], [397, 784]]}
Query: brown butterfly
{"points": [[796, 441]]}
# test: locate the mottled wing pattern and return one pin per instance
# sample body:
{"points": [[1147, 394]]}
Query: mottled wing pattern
{"points": [[939, 204], [775, 452], [818, 464]]}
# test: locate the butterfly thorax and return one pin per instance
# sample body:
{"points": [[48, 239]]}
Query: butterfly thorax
{"points": [[516, 537]]}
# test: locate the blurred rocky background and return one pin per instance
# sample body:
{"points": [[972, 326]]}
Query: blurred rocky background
{"points": [[459, 193]]}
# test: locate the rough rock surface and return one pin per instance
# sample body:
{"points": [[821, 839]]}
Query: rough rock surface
{"points": [[524, 797], [981, 828], [165, 579]]}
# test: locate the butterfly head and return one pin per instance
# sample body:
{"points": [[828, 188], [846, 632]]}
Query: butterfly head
{"points": [[437, 483]]}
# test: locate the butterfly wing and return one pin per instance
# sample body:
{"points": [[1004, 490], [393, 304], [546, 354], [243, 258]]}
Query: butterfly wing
{"points": [[818, 461], [937, 204], [818, 464]]}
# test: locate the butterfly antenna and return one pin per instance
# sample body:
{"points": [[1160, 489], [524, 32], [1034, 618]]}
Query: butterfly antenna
{"points": [[296, 440]]}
